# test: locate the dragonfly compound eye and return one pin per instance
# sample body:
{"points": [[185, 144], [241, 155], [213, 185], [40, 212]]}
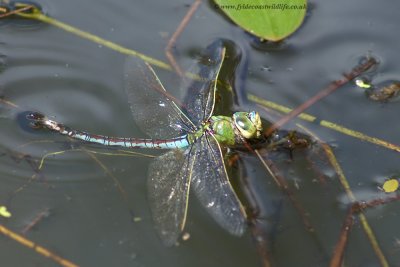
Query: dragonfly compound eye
{"points": [[245, 126]]}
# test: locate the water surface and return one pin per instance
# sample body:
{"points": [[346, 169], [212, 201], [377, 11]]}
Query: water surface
{"points": [[90, 222]]}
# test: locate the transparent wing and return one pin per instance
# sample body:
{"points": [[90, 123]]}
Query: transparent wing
{"points": [[213, 189], [200, 89], [168, 187], [153, 110]]}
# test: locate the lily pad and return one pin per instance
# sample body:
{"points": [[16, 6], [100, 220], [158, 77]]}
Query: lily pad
{"points": [[268, 19]]}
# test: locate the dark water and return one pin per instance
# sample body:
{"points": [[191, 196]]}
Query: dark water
{"points": [[80, 83]]}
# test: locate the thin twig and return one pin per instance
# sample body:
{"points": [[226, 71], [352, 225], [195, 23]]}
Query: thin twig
{"points": [[338, 253], [16, 11], [321, 94], [177, 33], [35, 247]]}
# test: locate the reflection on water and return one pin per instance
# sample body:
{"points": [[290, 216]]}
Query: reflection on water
{"points": [[90, 202]]}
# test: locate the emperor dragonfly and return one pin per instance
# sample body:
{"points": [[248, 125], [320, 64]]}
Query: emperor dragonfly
{"points": [[195, 137]]}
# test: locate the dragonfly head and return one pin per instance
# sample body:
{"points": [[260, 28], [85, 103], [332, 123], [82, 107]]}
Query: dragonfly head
{"points": [[248, 124]]}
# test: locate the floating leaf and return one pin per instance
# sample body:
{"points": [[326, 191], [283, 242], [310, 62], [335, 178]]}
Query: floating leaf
{"points": [[4, 212], [267, 19], [390, 185], [185, 236], [363, 84], [137, 219]]}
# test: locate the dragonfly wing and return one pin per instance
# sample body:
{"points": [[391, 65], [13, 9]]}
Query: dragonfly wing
{"points": [[152, 108], [200, 89], [212, 187], [168, 187]]}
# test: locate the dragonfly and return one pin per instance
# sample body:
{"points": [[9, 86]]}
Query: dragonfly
{"points": [[195, 137]]}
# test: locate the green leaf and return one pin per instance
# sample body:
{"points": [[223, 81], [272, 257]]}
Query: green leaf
{"points": [[267, 19], [390, 185], [4, 212]]}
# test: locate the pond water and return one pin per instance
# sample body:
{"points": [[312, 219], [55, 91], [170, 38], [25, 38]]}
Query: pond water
{"points": [[91, 221]]}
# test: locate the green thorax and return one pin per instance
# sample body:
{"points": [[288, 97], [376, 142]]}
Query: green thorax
{"points": [[231, 131], [224, 130]]}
